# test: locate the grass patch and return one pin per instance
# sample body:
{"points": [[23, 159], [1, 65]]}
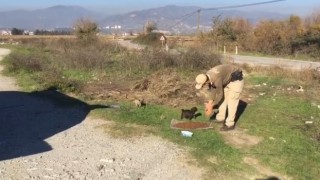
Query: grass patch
{"points": [[259, 80], [290, 145], [126, 130], [203, 144]]}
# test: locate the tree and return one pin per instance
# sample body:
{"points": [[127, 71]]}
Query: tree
{"points": [[313, 21], [243, 31], [149, 27], [86, 29], [270, 37], [231, 32], [308, 42], [224, 31], [295, 25], [16, 31]]}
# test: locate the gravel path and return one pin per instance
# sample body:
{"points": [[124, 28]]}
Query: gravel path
{"points": [[42, 138]]}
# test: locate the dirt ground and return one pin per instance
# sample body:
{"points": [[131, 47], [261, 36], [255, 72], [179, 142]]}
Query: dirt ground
{"points": [[164, 87]]}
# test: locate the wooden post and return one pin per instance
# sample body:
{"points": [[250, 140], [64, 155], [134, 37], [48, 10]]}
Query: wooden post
{"points": [[237, 50], [224, 49], [198, 22], [162, 39]]}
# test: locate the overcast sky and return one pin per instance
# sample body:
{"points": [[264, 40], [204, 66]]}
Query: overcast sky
{"points": [[297, 7]]}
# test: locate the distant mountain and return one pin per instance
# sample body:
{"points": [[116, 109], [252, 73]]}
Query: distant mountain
{"points": [[165, 17], [181, 18], [177, 19], [52, 17]]}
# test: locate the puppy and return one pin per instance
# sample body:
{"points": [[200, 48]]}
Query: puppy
{"points": [[139, 103], [189, 114]]}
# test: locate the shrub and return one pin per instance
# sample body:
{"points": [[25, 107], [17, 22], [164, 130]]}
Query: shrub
{"points": [[150, 39], [192, 59], [149, 27], [198, 59], [30, 62], [86, 30]]}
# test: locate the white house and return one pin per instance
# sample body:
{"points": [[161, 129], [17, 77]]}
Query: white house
{"points": [[5, 32]]}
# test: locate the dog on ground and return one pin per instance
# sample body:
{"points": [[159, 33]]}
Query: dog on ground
{"points": [[189, 113], [139, 103]]}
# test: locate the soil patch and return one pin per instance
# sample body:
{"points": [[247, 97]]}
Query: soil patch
{"points": [[165, 87], [240, 139], [190, 125], [267, 172]]}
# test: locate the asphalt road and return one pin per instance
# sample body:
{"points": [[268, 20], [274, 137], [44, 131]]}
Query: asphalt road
{"points": [[250, 60], [281, 62]]}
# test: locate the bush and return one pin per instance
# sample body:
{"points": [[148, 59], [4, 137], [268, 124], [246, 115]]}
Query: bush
{"points": [[198, 59], [149, 27], [86, 30], [26, 61], [153, 60], [151, 39]]}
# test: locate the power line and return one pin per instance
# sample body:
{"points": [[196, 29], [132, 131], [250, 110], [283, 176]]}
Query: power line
{"points": [[184, 17], [242, 5]]}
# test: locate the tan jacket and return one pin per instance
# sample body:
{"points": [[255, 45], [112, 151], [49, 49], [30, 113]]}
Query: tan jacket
{"points": [[220, 77]]}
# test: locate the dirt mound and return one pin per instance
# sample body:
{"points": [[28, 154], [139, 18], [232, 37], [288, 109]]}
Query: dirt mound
{"points": [[166, 87], [105, 91], [189, 125]]}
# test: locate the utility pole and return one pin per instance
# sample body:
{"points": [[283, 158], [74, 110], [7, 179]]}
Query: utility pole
{"points": [[198, 23]]}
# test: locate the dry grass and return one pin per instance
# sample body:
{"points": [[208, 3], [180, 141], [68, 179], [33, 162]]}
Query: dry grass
{"points": [[125, 131], [166, 87]]}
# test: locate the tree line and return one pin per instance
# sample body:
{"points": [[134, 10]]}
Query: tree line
{"points": [[293, 36], [17, 31], [290, 37]]}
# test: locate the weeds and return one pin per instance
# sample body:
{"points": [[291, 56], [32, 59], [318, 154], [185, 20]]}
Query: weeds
{"points": [[26, 61], [151, 39]]}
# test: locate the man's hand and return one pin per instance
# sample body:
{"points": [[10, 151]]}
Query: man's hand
{"points": [[208, 108]]}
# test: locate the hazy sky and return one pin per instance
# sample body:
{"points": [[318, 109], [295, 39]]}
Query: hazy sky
{"points": [[298, 7]]}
